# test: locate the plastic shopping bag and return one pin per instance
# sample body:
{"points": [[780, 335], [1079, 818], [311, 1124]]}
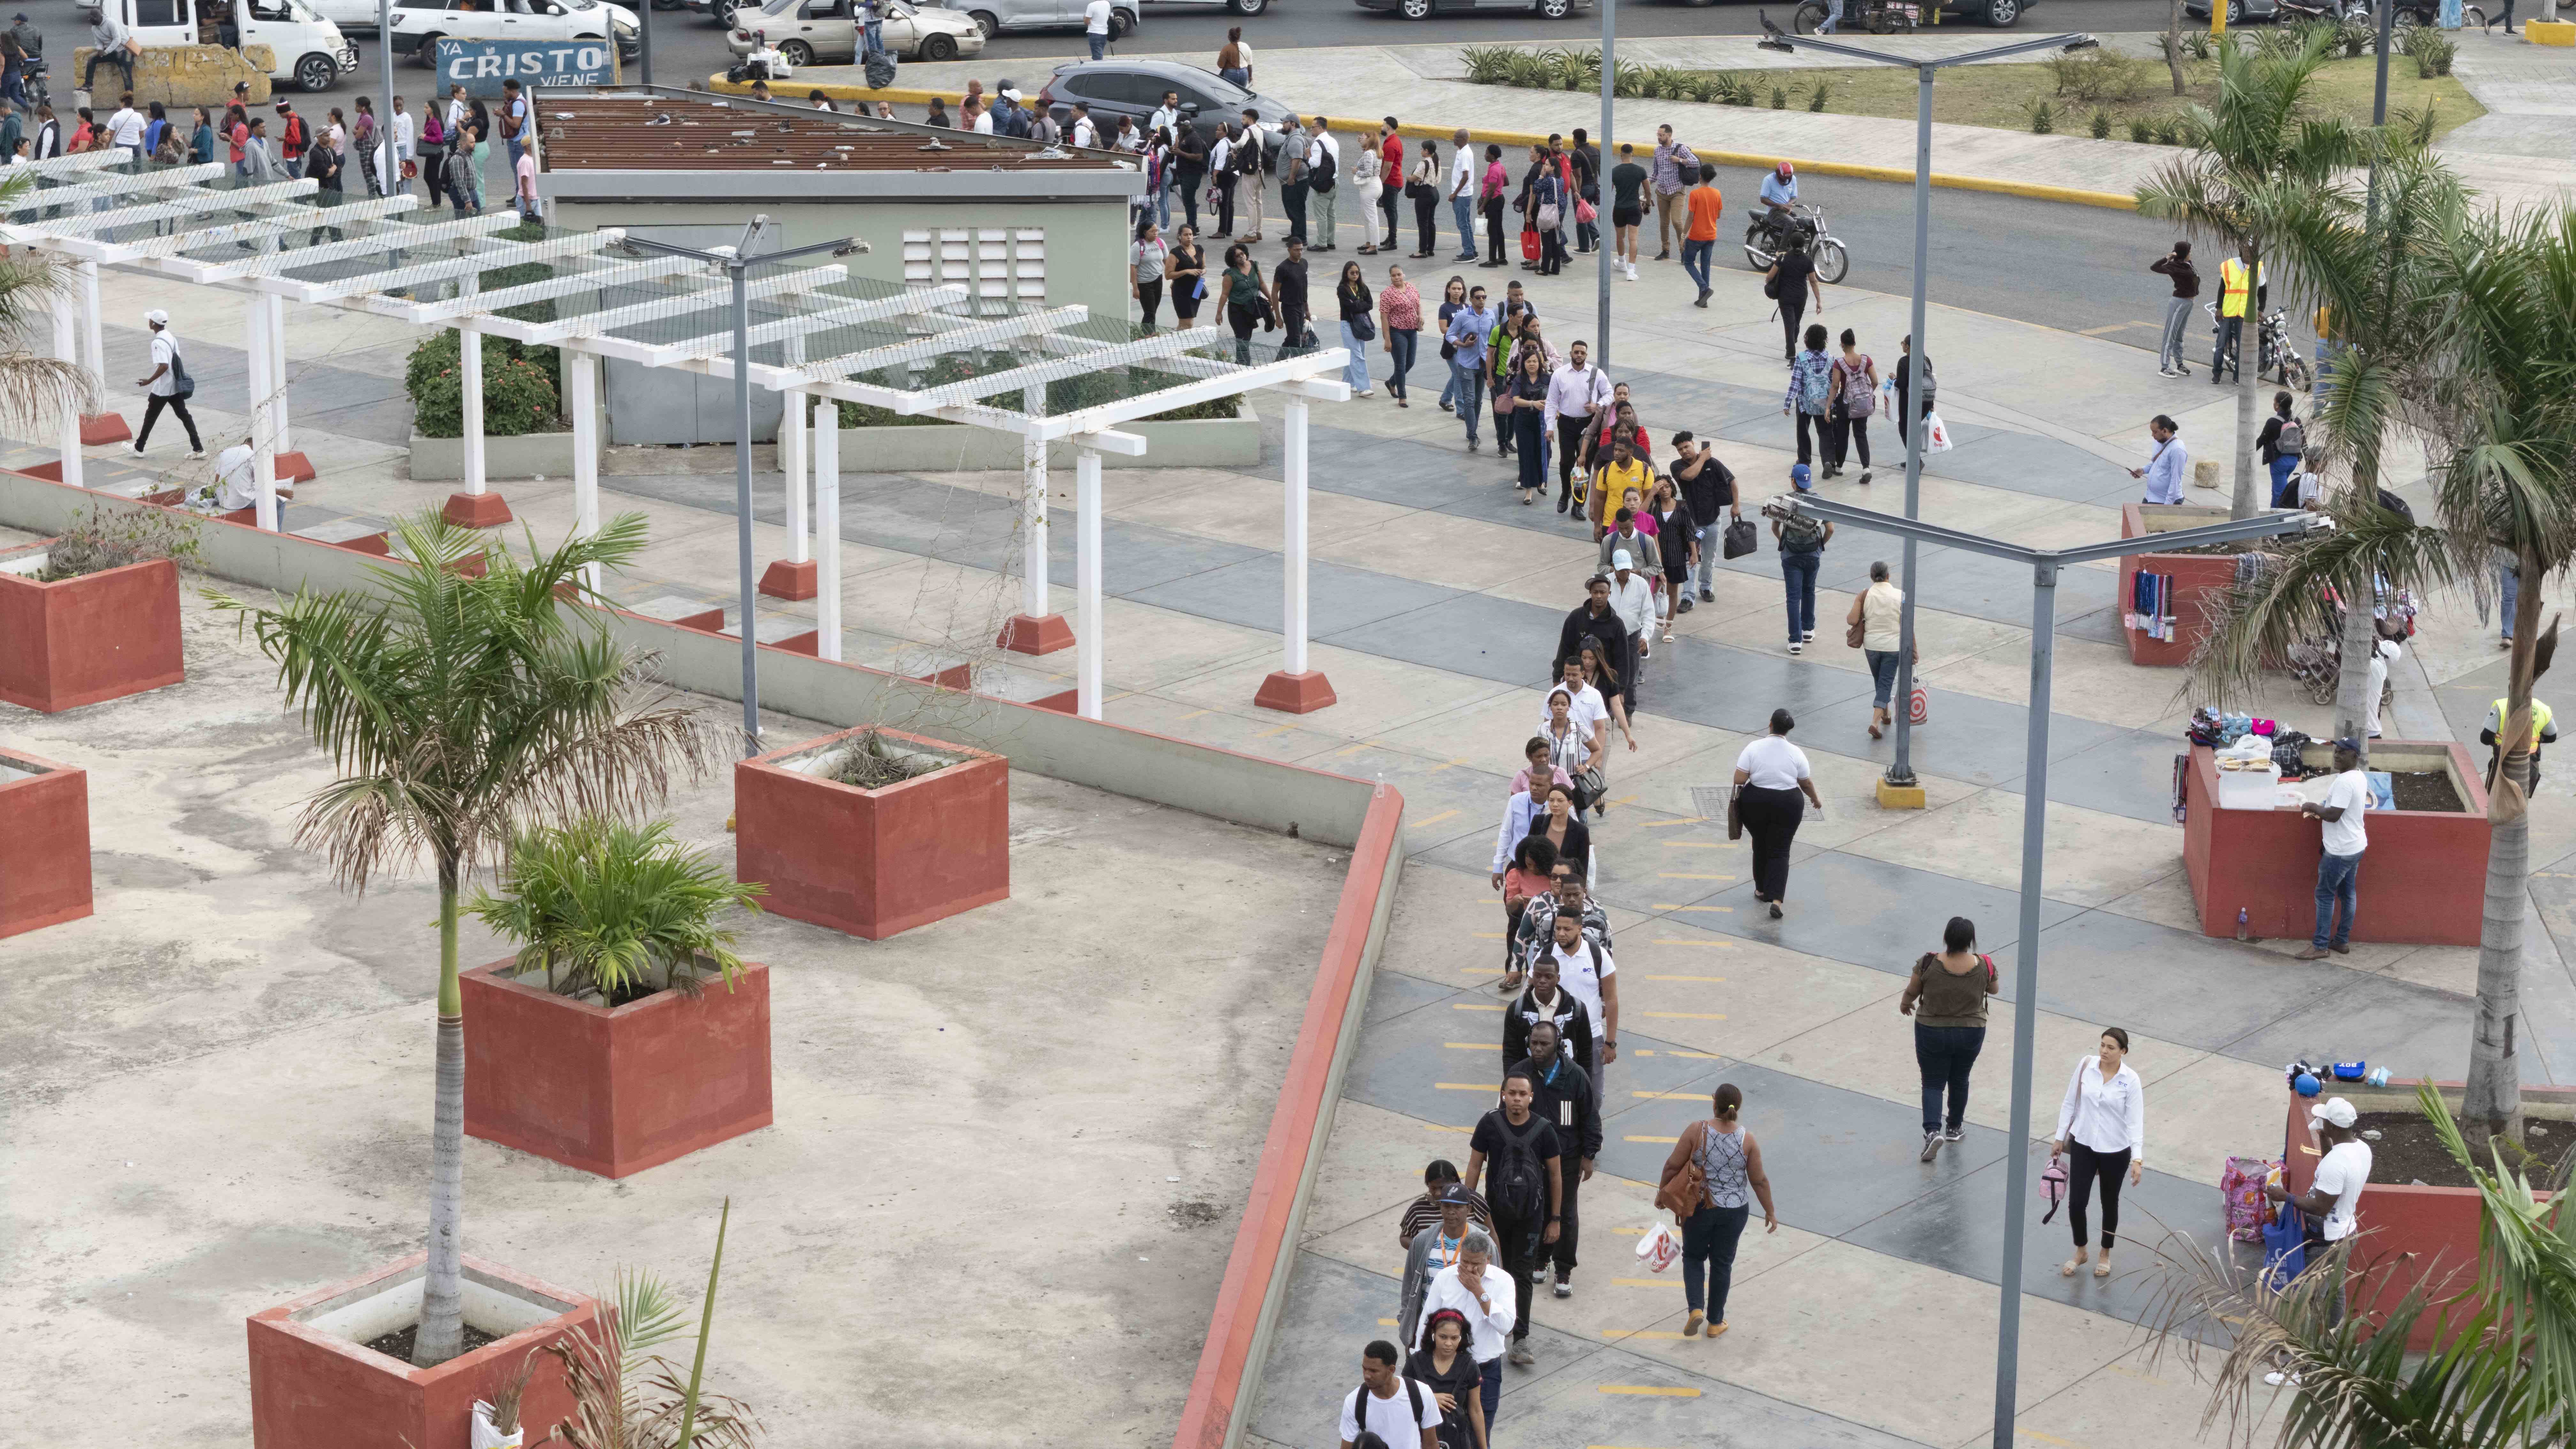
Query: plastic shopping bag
{"points": [[482, 1435], [1936, 434], [1920, 705], [1659, 1248], [2240, 1182]]}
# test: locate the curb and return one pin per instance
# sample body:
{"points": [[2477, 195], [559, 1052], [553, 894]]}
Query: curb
{"points": [[2030, 190]]}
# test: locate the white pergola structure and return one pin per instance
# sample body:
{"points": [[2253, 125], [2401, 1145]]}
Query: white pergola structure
{"points": [[831, 339]]}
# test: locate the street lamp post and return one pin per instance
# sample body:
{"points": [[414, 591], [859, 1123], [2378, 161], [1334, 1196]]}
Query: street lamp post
{"points": [[736, 262], [1603, 235], [2045, 565], [1900, 775]]}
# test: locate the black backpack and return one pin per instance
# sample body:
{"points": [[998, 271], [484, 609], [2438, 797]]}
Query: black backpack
{"points": [[1321, 175], [1412, 1395], [1518, 1191]]}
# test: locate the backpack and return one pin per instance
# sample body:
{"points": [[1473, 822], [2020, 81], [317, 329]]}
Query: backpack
{"points": [[2293, 440], [1412, 1396], [293, 140], [182, 386], [1801, 534], [1815, 384], [1519, 1187], [1320, 176]]}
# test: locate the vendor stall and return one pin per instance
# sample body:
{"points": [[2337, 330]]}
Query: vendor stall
{"points": [[2165, 617]]}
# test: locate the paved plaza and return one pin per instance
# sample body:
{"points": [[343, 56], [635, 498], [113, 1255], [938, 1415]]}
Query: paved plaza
{"points": [[1868, 1319]]}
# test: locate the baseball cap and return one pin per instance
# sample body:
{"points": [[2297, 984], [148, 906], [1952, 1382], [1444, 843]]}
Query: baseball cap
{"points": [[1457, 1193], [1010, 93], [1620, 560], [2348, 743], [1799, 476], [157, 318], [2335, 1110]]}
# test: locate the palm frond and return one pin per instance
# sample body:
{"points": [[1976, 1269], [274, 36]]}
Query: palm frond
{"points": [[2297, 595]]}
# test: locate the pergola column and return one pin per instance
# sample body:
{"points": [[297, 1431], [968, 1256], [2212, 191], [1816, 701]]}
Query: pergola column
{"points": [[1034, 629], [96, 428], [1086, 579], [67, 442], [792, 577], [292, 466], [260, 361], [477, 506], [1293, 687], [827, 528], [581, 389]]}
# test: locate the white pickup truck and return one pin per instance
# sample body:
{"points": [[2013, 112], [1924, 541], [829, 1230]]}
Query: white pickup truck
{"points": [[311, 52], [420, 24]]}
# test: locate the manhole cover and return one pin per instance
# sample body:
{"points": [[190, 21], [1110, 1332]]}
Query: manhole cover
{"points": [[1710, 800]]}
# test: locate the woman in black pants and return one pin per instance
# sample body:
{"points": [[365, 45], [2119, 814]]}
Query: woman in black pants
{"points": [[1247, 301], [1492, 200], [1424, 187], [1946, 996], [1770, 775], [1185, 270], [2102, 1126]]}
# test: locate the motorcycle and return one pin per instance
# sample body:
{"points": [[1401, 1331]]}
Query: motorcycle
{"points": [[2274, 353], [1878, 17], [1761, 247], [33, 69]]}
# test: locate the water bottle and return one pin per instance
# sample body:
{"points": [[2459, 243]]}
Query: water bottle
{"points": [[2243, 929], [2378, 1077]]}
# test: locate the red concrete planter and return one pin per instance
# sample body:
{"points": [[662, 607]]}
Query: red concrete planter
{"points": [[315, 1385], [614, 1090], [873, 862], [2411, 1234], [97, 637], [2423, 881], [2201, 581], [44, 843]]}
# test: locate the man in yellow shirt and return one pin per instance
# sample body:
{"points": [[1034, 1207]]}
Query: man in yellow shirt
{"points": [[1614, 479], [2235, 291]]}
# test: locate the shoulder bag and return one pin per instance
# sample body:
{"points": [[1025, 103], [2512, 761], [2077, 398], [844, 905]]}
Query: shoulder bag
{"points": [[1740, 538], [1686, 1192], [182, 386], [1735, 812]]}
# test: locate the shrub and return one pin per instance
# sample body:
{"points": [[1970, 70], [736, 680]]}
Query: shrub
{"points": [[2431, 49], [2142, 130], [519, 392], [2101, 125], [1779, 98], [2198, 44], [614, 908], [2043, 119], [1632, 79], [2358, 36], [97, 540], [1487, 65], [1817, 94], [1530, 72], [1701, 88]]}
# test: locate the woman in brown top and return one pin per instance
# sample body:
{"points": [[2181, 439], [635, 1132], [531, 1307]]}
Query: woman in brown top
{"points": [[1946, 996]]}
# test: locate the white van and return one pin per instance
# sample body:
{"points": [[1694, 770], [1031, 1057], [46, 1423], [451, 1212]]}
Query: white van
{"points": [[420, 24], [311, 52]]}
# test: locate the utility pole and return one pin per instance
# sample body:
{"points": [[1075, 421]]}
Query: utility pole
{"points": [[1600, 177]]}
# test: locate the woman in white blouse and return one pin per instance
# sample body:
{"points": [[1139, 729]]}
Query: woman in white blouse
{"points": [[2103, 1126], [1769, 777]]}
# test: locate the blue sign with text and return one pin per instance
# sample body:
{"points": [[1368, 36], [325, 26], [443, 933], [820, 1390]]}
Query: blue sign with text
{"points": [[481, 65]]}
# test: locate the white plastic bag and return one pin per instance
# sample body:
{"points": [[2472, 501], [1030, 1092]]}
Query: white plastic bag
{"points": [[1936, 434], [1658, 1248], [483, 1436]]}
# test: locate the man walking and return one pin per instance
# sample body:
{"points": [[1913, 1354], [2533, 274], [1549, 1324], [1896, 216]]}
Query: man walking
{"points": [[1466, 336], [2235, 290], [1584, 964], [161, 389], [1462, 191], [1708, 492], [2165, 467], [1095, 27], [1526, 1194], [2176, 266], [1489, 1306], [1575, 396], [2339, 869], [1699, 236], [1627, 210], [1671, 181], [1633, 600], [1561, 1095]]}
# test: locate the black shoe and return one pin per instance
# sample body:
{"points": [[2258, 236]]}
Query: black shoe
{"points": [[1683, 604], [1708, 596]]}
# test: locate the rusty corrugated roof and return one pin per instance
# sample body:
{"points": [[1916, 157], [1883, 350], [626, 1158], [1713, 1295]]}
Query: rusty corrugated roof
{"points": [[654, 133]]}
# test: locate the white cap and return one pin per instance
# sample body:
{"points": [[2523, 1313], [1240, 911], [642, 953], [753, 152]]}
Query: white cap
{"points": [[1010, 93], [157, 318], [2334, 1110], [1620, 560]]}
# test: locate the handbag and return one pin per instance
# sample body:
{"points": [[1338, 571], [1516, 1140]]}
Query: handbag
{"points": [[1529, 246], [2052, 1186], [1364, 328], [1740, 538], [1687, 1192], [1858, 630], [1585, 213], [1735, 813], [1550, 217]]}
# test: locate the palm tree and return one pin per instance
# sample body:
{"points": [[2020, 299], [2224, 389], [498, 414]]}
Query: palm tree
{"points": [[456, 711], [35, 390], [2504, 428], [2256, 156], [2502, 1374], [2380, 284]]}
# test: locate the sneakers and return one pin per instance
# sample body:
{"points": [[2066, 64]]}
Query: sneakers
{"points": [[1954, 1134], [1682, 605], [2276, 1378], [1811, 636], [196, 455], [1864, 477], [1931, 1146], [2313, 953], [1708, 596], [1521, 1356], [1663, 256], [138, 447], [1795, 647], [1564, 1283], [1704, 294], [1471, 445], [2167, 372], [1691, 1329]]}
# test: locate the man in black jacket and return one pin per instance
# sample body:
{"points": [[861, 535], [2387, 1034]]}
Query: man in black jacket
{"points": [[1548, 1002], [1708, 491], [1561, 1094], [1593, 620], [1288, 283]]}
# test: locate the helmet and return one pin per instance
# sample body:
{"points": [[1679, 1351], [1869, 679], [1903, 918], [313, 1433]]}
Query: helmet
{"points": [[1787, 171]]}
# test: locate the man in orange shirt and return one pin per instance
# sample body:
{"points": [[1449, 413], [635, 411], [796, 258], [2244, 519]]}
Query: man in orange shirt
{"points": [[1699, 246]]}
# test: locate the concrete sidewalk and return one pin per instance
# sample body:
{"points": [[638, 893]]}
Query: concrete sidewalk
{"points": [[2520, 154]]}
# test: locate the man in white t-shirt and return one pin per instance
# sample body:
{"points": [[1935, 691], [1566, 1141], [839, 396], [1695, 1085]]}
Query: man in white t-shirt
{"points": [[125, 128], [2333, 1198], [1584, 966], [1095, 27], [235, 487], [1396, 1409], [161, 388], [1086, 131], [1462, 191], [2339, 869]]}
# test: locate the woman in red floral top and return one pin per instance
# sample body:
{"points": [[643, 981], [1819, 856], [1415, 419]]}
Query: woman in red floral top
{"points": [[1399, 320]]}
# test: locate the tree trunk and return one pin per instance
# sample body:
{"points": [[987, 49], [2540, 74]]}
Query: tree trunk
{"points": [[442, 1306], [2353, 704], [2244, 504], [2491, 1100], [2171, 43]]}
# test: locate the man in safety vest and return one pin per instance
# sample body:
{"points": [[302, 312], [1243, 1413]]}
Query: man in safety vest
{"points": [[2544, 731], [2235, 285]]}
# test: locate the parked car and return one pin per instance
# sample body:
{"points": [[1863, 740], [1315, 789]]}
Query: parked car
{"points": [[311, 52], [420, 24], [1425, 9], [997, 16], [807, 32], [1113, 88]]}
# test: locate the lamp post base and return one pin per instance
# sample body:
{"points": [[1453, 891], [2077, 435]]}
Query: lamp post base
{"points": [[1295, 693], [790, 581], [476, 510], [99, 428], [1893, 796]]}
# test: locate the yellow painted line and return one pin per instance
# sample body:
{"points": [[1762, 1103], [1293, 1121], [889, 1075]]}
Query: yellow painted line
{"points": [[1685, 820], [1652, 1391], [1489, 935], [1678, 941], [1386, 1323], [1695, 1056], [1688, 875], [1699, 845], [1625, 800], [1436, 1127], [1355, 749], [1433, 819], [1466, 1086], [1645, 1282], [1648, 1139], [1194, 714], [1447, 765], [1630, 1232], [2114, 327], [1268, 734], [1667, 1096], [1685, 1015], [2047, 1438], [1471, 1006]]}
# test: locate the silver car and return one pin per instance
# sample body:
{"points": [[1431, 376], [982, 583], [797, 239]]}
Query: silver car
{"points": [[823, 32], [996, 16]]}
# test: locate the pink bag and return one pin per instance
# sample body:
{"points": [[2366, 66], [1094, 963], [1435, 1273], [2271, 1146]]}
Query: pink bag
{"points": [[2248, 1209], [1585, 212], [2052, 1186]]}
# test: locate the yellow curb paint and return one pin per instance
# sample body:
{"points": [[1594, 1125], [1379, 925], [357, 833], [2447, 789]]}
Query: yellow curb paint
{"points": [[2114, 327], [1471, 1006], [1436, 1127], [1684, 1015], [1625, 800], [1654, 1391], [1667, 824], [1425, 820]]}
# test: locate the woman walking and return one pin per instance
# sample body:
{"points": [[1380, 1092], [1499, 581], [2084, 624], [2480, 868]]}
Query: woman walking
{"points": [[1529, 874], [1247, 301], [201, 138], [362, 135], [1876, 614], [1569, 744], [1368, 174], [2102, 1125], [1946, 996], [1423, 185], [1221, 159], [1447, 1371], [1358, 331], [1399, 316], [1453, 299], [1731, 1177], [1676, 543], [1855, 395], [1527, 395], [2284, 462], [1770, 775], [1145, 258], [1185, 276], [1234, 58], [1501, 346]]}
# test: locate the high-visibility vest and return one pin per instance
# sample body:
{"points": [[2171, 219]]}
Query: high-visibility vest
{"points": [[2232, 280], [2541, 719]]}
